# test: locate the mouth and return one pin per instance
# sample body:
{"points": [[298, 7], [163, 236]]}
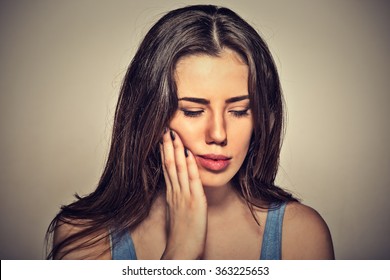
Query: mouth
{"points": [[213, 162]]}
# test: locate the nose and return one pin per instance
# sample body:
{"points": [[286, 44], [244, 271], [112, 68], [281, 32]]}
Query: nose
{"points": [[216, 130]]}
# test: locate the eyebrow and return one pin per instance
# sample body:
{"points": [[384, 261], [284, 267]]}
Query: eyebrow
{"points": [[237, 98], [204, 101]]}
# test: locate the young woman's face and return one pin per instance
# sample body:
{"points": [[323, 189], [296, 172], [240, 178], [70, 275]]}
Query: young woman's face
{"points": [[213, 118]]}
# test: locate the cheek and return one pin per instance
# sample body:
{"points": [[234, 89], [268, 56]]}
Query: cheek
{"points": [[189, 131], [241, 136]]}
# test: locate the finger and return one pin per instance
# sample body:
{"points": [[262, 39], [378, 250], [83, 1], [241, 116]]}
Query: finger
{"points": [[195, 183], [181, 163], [169, 163], [168, 184]]}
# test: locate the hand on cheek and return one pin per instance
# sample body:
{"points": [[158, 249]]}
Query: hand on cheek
{"points": [[186, 201]]}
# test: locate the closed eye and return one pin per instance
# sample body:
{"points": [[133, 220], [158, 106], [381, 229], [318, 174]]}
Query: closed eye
{"points": [[192, 114], [240, 113]]}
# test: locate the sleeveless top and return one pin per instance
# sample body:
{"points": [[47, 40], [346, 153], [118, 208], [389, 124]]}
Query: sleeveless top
{"points": [[122, 246]]}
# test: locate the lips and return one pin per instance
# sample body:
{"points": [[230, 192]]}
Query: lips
{"points": [[213, 162]]}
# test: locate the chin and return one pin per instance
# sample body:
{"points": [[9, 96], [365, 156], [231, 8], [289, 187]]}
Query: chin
{"points": [[215, 180]]}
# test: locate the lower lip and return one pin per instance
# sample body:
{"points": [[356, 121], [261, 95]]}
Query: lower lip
{"points": [[214, 165]]}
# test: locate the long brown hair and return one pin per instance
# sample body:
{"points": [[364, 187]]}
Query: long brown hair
{"points": [[133, 177]]}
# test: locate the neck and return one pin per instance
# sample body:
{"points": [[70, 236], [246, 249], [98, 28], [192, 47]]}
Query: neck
{"points": [[219, 197]]}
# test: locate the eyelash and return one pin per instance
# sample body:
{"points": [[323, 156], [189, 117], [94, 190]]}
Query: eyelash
{"points": [[237, 114], [240, 113], [192, 114]]}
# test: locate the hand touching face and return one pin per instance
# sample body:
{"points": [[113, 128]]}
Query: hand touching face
{"points": [[214, 119]]}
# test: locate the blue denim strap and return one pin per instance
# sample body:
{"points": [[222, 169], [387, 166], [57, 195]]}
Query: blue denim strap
{"points": [[271, 248]]}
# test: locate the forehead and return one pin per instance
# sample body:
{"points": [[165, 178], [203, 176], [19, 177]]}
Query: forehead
{"points": [[210, 76]]}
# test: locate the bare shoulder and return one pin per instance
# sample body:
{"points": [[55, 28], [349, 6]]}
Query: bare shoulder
{"points": [[93, 246], [305, 234]]}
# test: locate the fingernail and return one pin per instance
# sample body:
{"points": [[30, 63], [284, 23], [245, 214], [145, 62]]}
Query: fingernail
{"points": [[172, 135], [186, 152]]}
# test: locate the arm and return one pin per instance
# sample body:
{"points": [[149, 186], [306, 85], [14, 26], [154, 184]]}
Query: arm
{"points": [[305, 234]]}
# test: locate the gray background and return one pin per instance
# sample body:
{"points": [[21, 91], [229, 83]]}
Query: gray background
{"points": [[62, 63]]}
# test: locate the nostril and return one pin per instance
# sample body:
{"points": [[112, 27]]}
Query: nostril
{"points": [[220, 143]]}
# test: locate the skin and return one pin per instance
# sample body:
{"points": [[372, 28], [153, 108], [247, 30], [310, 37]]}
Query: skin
{"points": [[202, 206], [213, 118], [223, 126], [198, 216]]}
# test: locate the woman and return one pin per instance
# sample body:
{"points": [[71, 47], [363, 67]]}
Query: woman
{"points": [[194, 155]]}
